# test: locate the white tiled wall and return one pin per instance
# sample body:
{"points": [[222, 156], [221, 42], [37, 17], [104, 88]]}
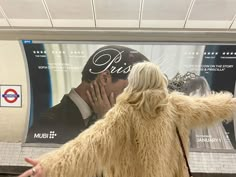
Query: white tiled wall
{"points": [[12, 154]]}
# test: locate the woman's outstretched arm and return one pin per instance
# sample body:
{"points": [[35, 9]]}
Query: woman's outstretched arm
{"points": [[199, 111]]}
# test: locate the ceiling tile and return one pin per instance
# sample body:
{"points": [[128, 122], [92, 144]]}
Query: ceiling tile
{"points": [[76, 13], [26, 13], [23, 9], [1, 16], [75, 9], [212, 14], [3, 21], [156, 13], [117, 13], [165, 10]]}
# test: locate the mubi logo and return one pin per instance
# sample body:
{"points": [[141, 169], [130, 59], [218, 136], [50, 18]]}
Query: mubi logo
{"points": [[50, 135]]}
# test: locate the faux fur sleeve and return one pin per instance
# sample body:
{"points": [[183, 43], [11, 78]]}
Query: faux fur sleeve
{"points": [[200, 111], [86, 155]]}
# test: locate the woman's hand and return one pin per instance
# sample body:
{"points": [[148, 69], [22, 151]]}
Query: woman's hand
{"points": [[36, 171]]}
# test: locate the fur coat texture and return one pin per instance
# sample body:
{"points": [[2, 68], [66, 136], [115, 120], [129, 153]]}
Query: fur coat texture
{"points": [[137, 137]]}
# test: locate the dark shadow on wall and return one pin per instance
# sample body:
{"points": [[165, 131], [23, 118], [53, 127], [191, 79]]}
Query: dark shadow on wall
{"points": [[213, 175], [12, 171]]}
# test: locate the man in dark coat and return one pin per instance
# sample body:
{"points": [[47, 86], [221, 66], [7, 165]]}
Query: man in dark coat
{"points": [[103, 78]]}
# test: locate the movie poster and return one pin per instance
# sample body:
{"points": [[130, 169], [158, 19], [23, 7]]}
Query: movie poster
{"points": [[55, 70]]}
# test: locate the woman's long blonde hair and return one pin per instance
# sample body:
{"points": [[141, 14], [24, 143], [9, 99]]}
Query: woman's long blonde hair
{"points": [[146, 90]]}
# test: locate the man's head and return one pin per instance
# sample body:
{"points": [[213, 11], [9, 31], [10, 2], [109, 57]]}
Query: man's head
{"points": [[110, 66]]}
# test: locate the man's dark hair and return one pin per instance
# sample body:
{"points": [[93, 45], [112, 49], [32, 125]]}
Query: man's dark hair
{"points": [[118, 60]]}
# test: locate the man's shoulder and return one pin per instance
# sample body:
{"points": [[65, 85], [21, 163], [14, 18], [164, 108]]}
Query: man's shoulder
{"points": [[65, 109], [64, 119]]}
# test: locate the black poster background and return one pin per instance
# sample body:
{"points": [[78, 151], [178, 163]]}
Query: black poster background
{"points": [[222, 81], [39, 82]]}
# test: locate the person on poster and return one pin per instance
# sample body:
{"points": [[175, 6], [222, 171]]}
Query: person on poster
{"points": [[138, 136], [103, 78], [212, 137]]}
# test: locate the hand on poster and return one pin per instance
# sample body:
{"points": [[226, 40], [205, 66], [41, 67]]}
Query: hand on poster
{"points": [[99, 99], [36, 171]]}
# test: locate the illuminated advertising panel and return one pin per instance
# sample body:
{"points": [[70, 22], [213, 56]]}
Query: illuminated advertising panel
{"points": [[55, 71]]}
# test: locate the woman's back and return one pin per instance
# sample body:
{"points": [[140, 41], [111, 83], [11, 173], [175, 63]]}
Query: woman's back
{"points": [[150, 146]]}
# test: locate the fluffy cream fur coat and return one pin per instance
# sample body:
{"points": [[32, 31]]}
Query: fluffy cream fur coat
{"points": [[137, 137]]}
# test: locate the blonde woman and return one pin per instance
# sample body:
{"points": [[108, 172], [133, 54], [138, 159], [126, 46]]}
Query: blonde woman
{"points": [[138, 136]]}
